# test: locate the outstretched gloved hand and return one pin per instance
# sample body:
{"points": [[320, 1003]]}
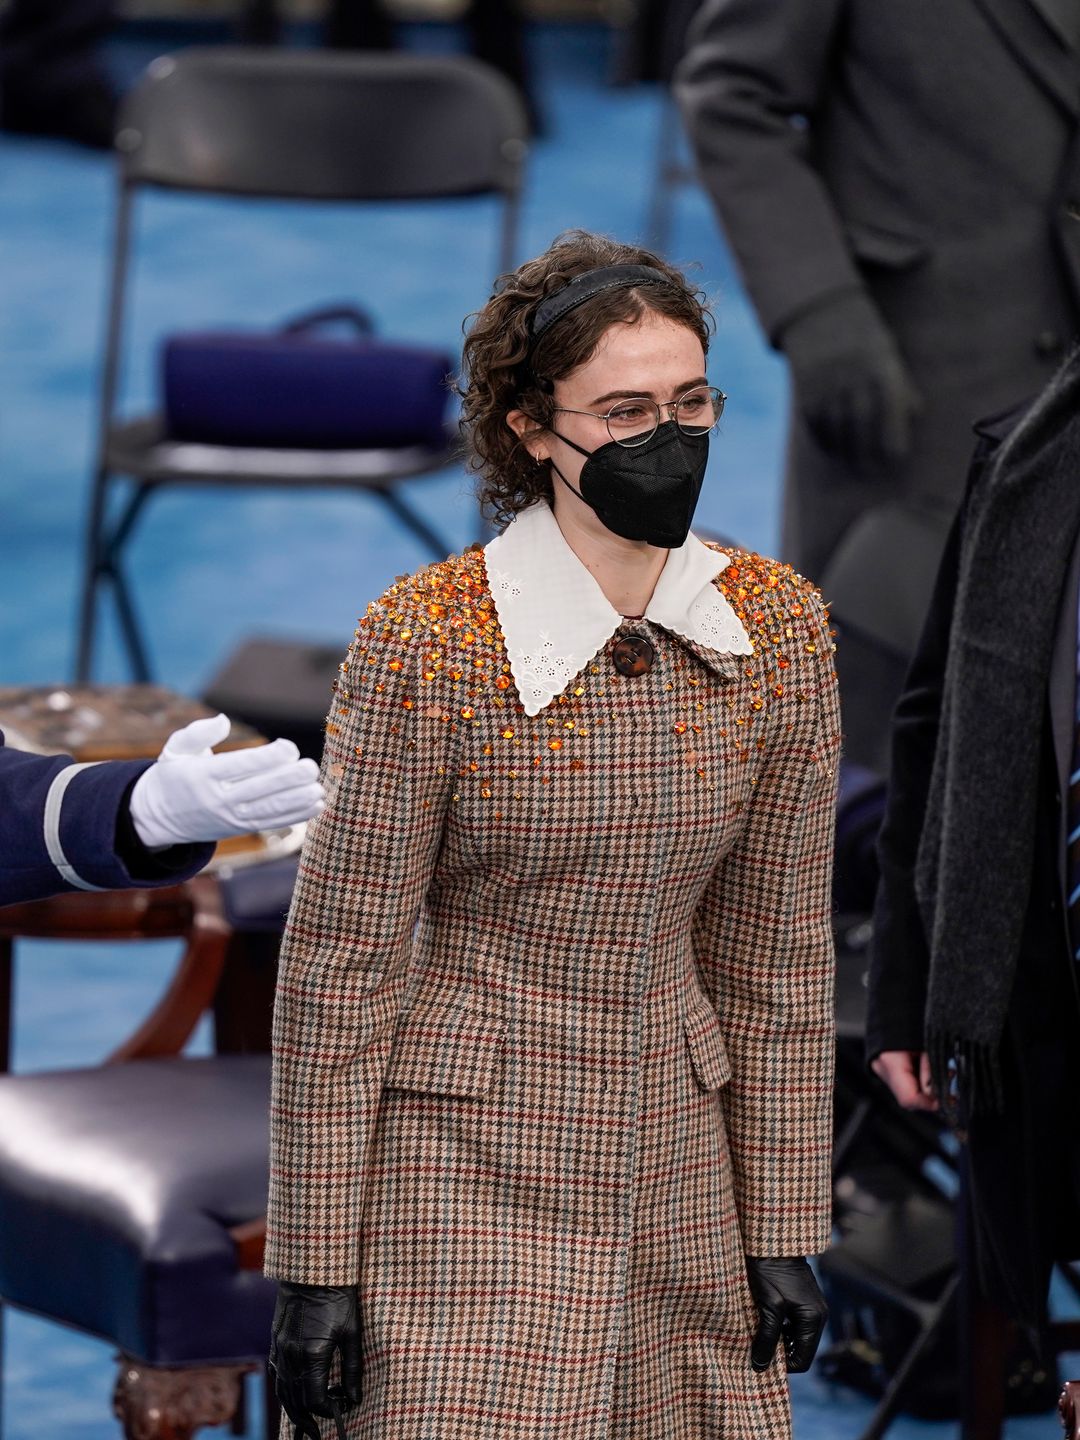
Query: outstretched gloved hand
{"points": [[312, 1323], [790, 1305], [850, 381], [190, 794]]}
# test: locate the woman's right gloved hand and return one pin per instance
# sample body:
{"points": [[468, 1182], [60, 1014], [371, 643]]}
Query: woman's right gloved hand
{"points": [[311, 1324]]}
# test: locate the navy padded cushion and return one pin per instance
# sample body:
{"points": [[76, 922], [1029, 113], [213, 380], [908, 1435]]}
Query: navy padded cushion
{"points": [[117, 1188], [257, 897], [860, 812]]}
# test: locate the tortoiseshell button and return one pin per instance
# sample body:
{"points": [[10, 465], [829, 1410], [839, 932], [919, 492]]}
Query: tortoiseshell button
{"points": [[633, 655]]}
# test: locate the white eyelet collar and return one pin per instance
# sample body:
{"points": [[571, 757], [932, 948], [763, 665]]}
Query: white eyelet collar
{"points": [[554, 616]]}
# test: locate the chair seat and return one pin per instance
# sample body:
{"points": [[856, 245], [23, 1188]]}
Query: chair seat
{"points": [[904, 1250], [257, 897], [142, 449], [118, 1187]]}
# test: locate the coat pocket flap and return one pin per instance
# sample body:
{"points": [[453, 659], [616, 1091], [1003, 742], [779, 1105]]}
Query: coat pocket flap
{"points": [[440, 1053], [707, 1049], [886, 248]]}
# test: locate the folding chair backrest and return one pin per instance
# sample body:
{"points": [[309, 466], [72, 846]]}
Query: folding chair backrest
{"points": [[315, 125]]}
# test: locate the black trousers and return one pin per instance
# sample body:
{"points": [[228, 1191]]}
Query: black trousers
{"points": [[495, 30], [1025, 1162], [52, 42]]}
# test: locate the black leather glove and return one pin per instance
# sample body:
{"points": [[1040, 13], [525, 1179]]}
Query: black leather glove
{"points": [[311, 1324], [790, 1304], [850, 382]]}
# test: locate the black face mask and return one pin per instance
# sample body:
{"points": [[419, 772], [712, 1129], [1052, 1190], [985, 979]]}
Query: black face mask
{"points": [[644, 492]]}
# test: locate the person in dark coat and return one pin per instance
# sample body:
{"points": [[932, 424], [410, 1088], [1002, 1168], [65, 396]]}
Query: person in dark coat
{"points": [[53, 80], [900, 186], [121, 823], [973, 998], [52, 77], [496, 35]]}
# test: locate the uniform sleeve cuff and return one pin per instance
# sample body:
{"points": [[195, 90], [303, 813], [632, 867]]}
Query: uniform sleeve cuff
{"points": [[152, 866]]}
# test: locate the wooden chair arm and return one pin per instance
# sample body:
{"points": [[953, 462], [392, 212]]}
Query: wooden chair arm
{"points": [[100, 915], [167, 1028], [1069, 1409]]}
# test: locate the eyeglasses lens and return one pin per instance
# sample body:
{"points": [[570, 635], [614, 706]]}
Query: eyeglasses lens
{"points": [[635, 421], [699, 410], [632, 422]]}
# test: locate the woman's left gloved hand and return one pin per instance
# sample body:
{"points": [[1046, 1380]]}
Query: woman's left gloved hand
{"points": [[312, 1325], [789, 1304]]}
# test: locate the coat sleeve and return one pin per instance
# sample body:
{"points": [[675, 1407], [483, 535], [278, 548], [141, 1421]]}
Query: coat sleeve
{"points": [[750, 87], [900, 955], [764, 943], [366, 865], [62, 827]]}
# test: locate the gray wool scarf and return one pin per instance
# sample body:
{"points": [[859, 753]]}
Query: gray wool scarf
{"points": [[974, 867]]}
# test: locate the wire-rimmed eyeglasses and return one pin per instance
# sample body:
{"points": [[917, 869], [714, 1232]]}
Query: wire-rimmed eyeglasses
{"points": [[633, 421]]}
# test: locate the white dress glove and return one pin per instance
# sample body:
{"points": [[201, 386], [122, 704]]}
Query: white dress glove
{"points": [[189, 794]]}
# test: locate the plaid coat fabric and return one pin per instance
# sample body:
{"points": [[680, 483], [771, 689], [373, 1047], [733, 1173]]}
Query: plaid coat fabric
{"points": [[553, 1040]]}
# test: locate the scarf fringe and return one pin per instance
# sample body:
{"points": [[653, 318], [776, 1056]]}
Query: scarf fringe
{"points": [[967, 1076]]}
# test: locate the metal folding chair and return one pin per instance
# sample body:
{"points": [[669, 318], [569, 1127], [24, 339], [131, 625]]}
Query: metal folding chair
{"points": [[290, 125]]}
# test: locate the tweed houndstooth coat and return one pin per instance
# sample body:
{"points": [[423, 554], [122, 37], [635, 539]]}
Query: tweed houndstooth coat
{"points": [[553, 1037]]}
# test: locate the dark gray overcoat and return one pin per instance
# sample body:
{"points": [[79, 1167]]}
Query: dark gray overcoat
{"points": [[1024, 1172], [929, 154]]}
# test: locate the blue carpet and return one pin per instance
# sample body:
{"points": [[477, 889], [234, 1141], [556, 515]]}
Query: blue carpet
{"points": [[210, 569]]}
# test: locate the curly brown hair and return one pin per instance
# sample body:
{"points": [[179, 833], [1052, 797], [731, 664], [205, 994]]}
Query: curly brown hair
{"points": [[502, 372]]}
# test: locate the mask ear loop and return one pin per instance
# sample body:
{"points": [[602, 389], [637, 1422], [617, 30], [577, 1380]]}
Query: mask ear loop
{"points": [[566, 482], [573, 446]]}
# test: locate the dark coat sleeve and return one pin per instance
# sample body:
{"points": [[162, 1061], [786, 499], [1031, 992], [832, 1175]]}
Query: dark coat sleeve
{"points": [[900, 955], [749, 88], [65, 826]]}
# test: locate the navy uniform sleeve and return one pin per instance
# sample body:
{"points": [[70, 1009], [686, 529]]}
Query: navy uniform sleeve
{"points": [[66, 826]]}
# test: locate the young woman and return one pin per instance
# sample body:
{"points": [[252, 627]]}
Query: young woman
{"points": [[554, 1029]]}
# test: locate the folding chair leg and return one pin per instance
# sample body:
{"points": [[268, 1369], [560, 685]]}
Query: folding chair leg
{"points": [[662, 200], [271, 1408], [103, 564], [238, 1423], [440, 548], [92, 574], [130, 628], [510, 224], [890, 1402]]}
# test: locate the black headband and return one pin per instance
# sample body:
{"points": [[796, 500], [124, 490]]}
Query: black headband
{"points": [[583, 287]]}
